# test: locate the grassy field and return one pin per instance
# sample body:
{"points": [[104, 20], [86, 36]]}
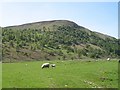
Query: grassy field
{"points": [[66, 74]]}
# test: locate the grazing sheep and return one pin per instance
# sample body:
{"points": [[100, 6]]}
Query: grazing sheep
{"points": [[108, 59], [96, 60], [66, 85], [45, 65], [52, 65]]}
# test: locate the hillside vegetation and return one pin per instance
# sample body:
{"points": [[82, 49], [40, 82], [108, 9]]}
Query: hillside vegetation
{"points": [[58, 39]]}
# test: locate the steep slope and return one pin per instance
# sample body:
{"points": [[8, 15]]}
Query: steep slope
{"points": [[51, 25], [57, 39]]}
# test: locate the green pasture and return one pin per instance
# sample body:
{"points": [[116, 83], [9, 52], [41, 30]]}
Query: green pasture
{"points": [[66, 74]]}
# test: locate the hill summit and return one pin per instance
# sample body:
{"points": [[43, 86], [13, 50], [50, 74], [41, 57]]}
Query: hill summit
{"points": [[56, 39], [51, 25]]}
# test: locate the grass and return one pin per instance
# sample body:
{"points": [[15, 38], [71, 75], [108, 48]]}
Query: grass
{"points": [[66, 74]]}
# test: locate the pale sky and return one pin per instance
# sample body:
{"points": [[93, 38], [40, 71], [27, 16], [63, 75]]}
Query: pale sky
{"points": [[97, 16]]}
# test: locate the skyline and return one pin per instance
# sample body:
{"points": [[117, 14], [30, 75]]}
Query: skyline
{"points": [[100, 17]]}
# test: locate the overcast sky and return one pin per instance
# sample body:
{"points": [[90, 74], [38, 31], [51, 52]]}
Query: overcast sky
{"points": [[96, 16]]}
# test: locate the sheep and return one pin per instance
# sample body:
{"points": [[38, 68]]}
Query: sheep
{"points": [[96, 60], [53, 65], [45, 65], [66, 85], [108, 59]]}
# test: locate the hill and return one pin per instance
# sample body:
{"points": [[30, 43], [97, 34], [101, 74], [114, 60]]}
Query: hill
{"points": [[47, 24], [57, 39]]}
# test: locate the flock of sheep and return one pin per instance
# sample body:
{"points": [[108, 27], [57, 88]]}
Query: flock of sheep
{"points": [[47, 65]]}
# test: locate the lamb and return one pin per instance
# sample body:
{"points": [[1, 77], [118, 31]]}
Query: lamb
{"points": [[53, 65]]}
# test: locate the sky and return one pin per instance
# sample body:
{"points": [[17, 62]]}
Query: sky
{"points": [[97, 16]]}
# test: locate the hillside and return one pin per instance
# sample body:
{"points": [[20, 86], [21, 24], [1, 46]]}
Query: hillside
{"points": [[47, 24], [57, 39]]}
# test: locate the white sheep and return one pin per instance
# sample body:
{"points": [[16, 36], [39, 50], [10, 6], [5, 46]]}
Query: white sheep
{"points": [[108, 59], [45, 65], [53, 65]]}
